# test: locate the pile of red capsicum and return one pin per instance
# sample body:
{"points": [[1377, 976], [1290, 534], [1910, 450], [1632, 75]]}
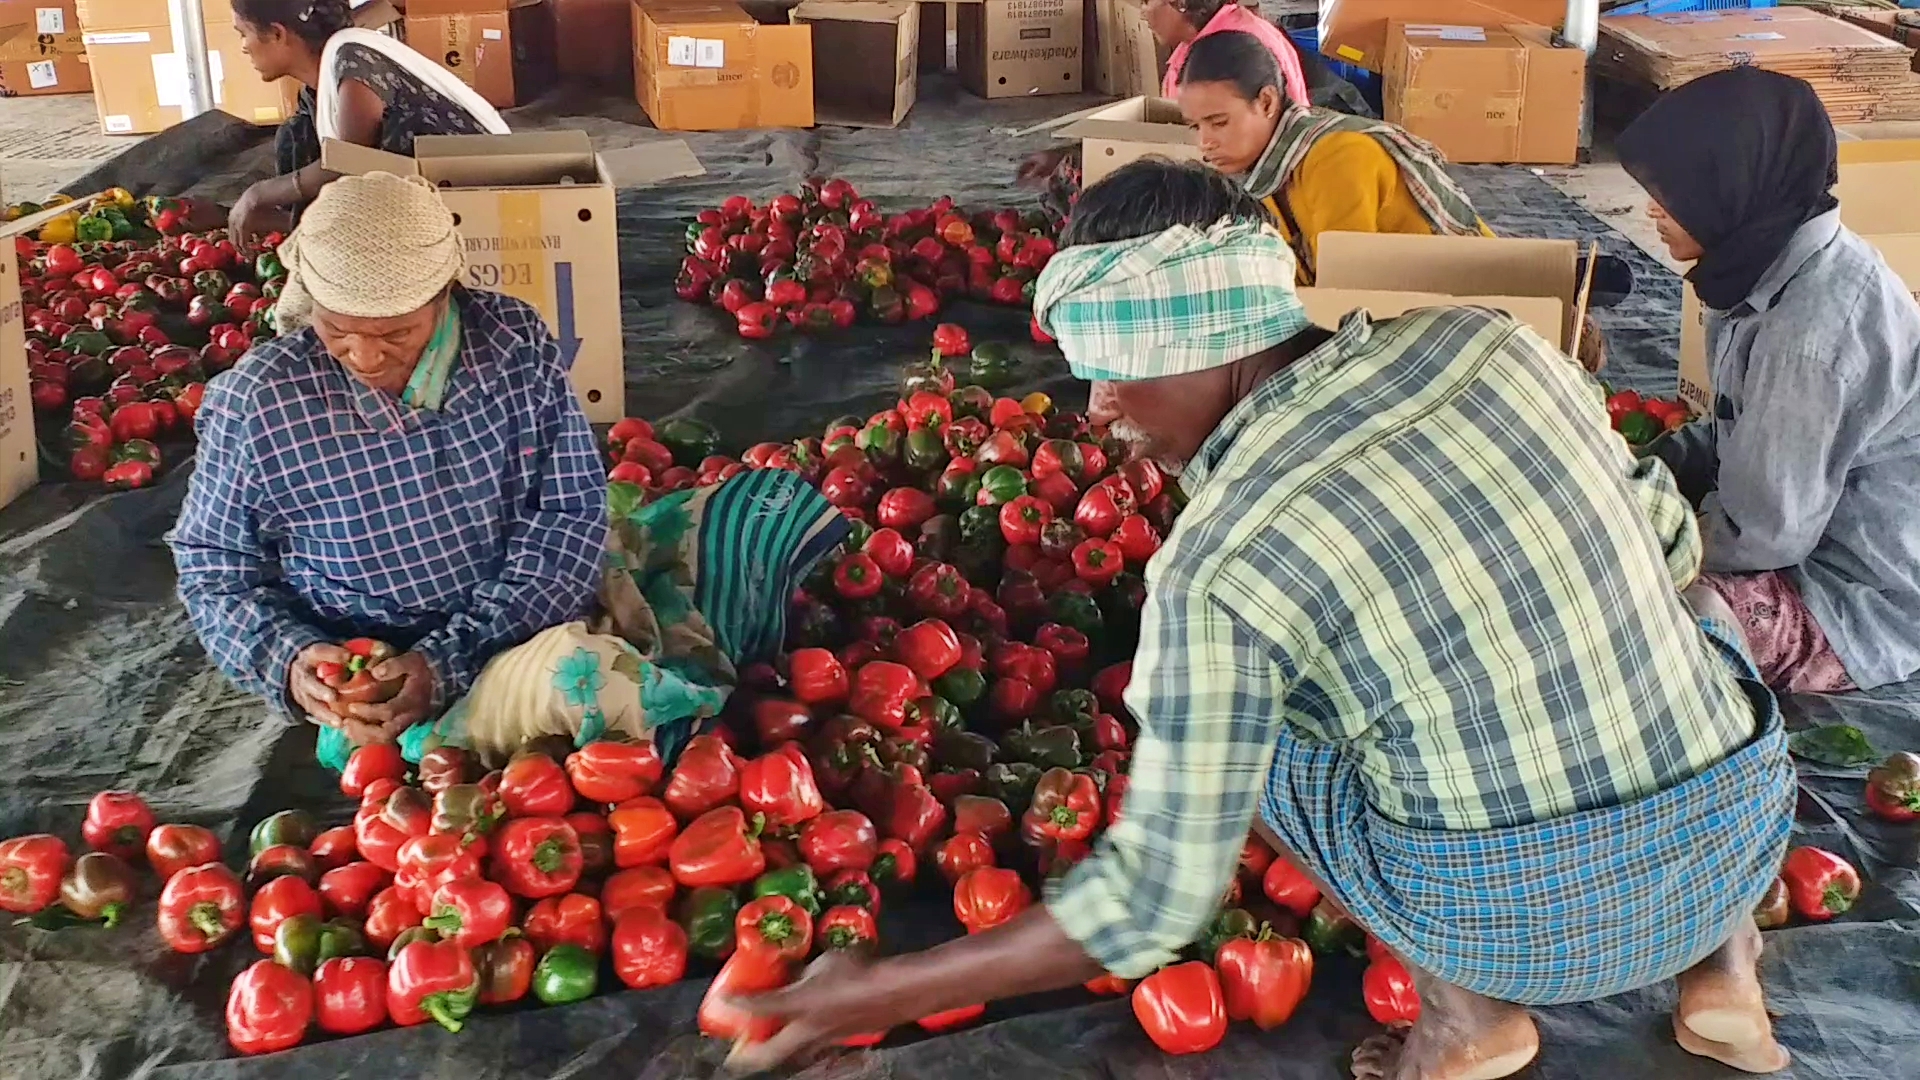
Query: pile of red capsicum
{"points": [[825, 257]]}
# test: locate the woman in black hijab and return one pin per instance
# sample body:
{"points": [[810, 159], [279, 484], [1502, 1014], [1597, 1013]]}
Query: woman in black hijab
{"points": [[1807, 472]]}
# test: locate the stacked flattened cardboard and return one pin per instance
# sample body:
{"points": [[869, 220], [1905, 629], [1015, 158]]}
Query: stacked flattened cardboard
{"points": [[1859, 74]]}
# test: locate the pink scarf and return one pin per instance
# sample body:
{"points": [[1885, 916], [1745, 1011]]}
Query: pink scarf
{"points": [[1235, 17]]}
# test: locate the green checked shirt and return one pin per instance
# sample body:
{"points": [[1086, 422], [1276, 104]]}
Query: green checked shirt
{"points": [[1424, 543]]}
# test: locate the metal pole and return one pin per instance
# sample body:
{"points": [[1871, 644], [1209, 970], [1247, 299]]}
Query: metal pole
{"points": [[1583, 33], [190, 45]]}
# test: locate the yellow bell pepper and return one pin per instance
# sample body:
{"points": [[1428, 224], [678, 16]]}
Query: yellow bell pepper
{"points": [[60, 230], [1037, 404]]}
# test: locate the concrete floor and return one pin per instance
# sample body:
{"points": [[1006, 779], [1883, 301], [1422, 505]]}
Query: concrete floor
{"points": [[47, 142]]}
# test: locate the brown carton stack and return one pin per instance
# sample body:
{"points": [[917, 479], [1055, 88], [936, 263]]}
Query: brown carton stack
{"points": [[1859, 74], [41, 51], [504, 49]]}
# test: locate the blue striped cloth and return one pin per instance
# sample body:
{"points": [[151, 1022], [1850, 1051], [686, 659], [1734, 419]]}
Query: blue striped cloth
{"points": [[1575, 908]]}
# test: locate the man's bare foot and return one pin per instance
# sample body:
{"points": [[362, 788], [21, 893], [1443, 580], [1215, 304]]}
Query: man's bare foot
{"points": [[1459, 1036], [1722, 1014]]}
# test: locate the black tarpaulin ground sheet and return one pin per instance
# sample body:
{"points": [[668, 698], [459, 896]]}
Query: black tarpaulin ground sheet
{"points": [[102, 684]]}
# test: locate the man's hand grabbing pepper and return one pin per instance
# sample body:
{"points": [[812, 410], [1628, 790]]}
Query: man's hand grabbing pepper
{"points": [[410, 706]]}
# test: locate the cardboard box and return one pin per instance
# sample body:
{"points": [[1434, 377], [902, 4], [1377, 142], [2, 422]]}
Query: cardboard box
{"points": [[1356, 30], [41, 50], [504, 49], [19, 454], [1326, 307], [1466, 269], [596, 37], [934, 25], [1115, 135], [1494, 94], [1877, 180], [1123, 57], [537, 213], [872, 76], [705, 65], [1021, 48]]}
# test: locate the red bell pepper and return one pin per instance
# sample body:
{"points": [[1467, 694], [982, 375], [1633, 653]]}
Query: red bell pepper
{"points": [[882, 691], [961, 854], [896, 865], [334, 848], [1012, 700], [915, 815], [779, 788], [952, 1018], [432, 980], [847, 926], [857, 576], [643, 831], [649, 949], [1144, 478], [1108, 985], [30, 871], [276, 902], [1098, 515], [839, 840], [201, 907], [1066, 806], [1893, 788], [777, 924], [982, 814], [1070, 647], [951, 340], [390, 913], [929, 647], [1098, 562], [117, 823], [1022, 519], [428, 862], [891, 552], [613, 772], [1255, 858], [719, 848], [1110, 684], [350, 994], [989, 896], [817, 676], [536, 857], [1265, 978], [1138, 540], [534, 785], [1029, 663], [380, 828], [905, 508], [378, 791], [641, 886], [505, 969], [939, 590], [374, 761], [173, 848], [268, 1009], [1286, 886], [746, 972], [572, 919], [1389, 992], [596, 842], [470, 911], [1820, 884], [707, 774], [1182, 1008], [347, 890]]}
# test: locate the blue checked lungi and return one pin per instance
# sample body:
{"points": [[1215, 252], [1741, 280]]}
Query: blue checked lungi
{"points": [[1576, 908]]}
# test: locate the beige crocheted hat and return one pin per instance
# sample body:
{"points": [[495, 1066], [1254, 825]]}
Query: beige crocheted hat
{"points": [[370, 247]]}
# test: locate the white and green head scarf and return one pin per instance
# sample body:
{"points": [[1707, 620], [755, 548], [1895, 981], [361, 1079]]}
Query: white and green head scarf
{"points": [[1173, 303]]}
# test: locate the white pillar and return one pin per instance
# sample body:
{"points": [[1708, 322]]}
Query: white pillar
{"points": [[190, 45], [1583, 33]]}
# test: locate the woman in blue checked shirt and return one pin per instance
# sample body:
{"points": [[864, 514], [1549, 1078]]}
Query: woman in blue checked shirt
{"points": [[1406, 626]]}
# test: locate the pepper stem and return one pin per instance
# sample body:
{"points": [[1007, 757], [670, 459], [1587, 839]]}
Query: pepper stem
{"points": [[445, 922], [205, 917], [110, 915], [435, 1005], [1835, 899], [776, 928], [550, 856], [13, 881]]}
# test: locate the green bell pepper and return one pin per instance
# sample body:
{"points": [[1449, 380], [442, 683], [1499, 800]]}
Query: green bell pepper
{"points": [[268, 267], [955, 490], [1013, 783], [936, 712], [991, 365], [567, 973], [1074, 708], [972, 401], [90, 342], [924, 451], [295, 827], [965, 750], [93, 228], [880, 443], [961, 685], [690, 440], [857, 536], [407, 937], [977, 523], [1077, 611], [1053, 747], [796, 883], [1001, 485], [302, 943], [1226, 926], [939, 536], [706, 914], [1329, 931]]}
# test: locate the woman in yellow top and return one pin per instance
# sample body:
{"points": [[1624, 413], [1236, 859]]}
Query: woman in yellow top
{"points": [[1316, 169]]}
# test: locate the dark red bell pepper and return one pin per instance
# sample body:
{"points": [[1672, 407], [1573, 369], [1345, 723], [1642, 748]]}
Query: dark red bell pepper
{"points": [[857, 576], [707, 774], [839, 840], [853, 888], [268, 1009], [939, 590], [1182, 1008], [117, 823], [1022, 519], [201, 907], [643, 831], [891, 552], [432, 980], [536, 857], [30, 871], [1137, 539], [649, 949], [350, 994], [1820, 884], [1066, 806], [989, 896], [348, 890], [173, 848], [390, 912], [1389, 992], [1144, 479], [915, 815], [613, 772], [779, 786], [1098, 514], [573, 919], [276, 902], [720, 849], [777, 924], [1029, 663], [1070, 647], [470, 911], [505, 969], [534, 785]]}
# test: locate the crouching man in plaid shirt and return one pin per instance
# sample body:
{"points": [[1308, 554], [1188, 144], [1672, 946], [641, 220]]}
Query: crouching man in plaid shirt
{"points": [[1422, 622]]}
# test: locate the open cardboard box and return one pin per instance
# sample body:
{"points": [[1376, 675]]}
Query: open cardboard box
{"points": [[1878, 179], [1020, 48], [1535, 281], [870, 76], [1115, 135], [1356, 30], [537, 212]]}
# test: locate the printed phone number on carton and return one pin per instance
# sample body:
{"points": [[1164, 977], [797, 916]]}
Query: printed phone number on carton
{"points": [[1060, 52]]}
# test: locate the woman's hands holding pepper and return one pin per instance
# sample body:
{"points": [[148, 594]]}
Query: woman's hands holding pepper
{"points": [[319, 701], [410, 706]]}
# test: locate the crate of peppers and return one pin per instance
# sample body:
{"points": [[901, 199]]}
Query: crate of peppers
{"points": [[945, 724]]}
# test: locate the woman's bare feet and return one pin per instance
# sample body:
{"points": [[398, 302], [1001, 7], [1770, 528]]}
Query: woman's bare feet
{"points": [[1459, 1036], [1722, 1014]]}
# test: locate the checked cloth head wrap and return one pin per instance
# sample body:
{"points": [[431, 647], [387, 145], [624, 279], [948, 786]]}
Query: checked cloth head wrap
{"points": [[1174, 303], [370, 247]]}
